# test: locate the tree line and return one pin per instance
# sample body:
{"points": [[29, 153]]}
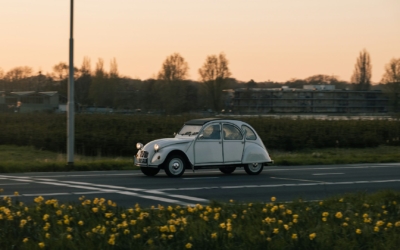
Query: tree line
{"points": [[172, 92]]}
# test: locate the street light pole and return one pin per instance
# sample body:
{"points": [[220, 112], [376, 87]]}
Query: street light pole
{"points": [[71, 103]]}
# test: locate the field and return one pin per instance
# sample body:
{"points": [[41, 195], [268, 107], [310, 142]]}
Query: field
{"points": [[28, 159]]}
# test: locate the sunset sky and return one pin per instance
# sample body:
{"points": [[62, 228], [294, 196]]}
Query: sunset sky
{"points": [[262, 39]]}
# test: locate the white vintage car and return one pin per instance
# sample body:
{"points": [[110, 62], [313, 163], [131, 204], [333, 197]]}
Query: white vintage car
{"points": [[205, 143]]}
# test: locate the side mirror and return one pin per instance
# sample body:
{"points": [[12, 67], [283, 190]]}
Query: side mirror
{"points": [[201, 136]]}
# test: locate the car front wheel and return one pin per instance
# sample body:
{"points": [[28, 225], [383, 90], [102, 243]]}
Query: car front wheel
{"points": [[175, 166], [253, 168], [150, 171], [227, 170]]}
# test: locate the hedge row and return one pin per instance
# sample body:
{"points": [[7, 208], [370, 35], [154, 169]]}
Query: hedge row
{"points": [[116, 135]]}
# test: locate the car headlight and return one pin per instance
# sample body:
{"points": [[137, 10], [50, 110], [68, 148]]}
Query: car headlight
{"points": [[156, 147], [139, 145]]}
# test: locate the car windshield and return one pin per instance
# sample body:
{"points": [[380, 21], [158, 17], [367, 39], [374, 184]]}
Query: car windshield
{"points": [[190, 130]]}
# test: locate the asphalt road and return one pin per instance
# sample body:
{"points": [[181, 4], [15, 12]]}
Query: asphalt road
{"points": [[127, 188]]}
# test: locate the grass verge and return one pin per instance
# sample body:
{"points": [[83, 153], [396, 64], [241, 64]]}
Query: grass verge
{"points": [[351, 221], [27, 159]]}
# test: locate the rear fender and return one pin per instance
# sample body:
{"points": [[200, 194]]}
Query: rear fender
{"points": [[254, 153]]}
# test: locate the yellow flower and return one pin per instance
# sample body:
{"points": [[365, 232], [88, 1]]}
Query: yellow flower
{"points": [[397, 224], [111, 241], [80, 223], [341, 200], [389, 225], [380, 223], [286, 227], [234, 216], [338, 215], [188, 245], [25, 240], [126, 231], [213, 235], [170, 236], [295, 216], [45, 217], [273, 198], [325, 214], [69, 237], [268, 238], [16, 193], [47, 235], [41, 245], [172, 228], [230, 200], [59, 212], [264, 210], [95, 209], [312, 236], [22, 223], [376, 229], [345, 224], [324, 219], [262, 232], [294, 236], [222, 225], [358, 231], [295, 221], [276, 231]]}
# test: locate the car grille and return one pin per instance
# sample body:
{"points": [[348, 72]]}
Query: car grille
{"points": [[144, 154]]}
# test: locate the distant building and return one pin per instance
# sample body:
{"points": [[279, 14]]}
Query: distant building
{"points": [[29, 101], [310, 99]]}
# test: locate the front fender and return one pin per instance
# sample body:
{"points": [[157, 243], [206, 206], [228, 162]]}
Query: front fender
{"points": [[254, 153], [160, 156]]}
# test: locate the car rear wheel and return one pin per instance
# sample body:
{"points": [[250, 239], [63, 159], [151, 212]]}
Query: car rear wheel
{"points": [[175, 166], [227, 170], [150, 171], [253, 168]]}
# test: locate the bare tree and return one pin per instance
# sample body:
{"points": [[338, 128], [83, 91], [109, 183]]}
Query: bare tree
{"points": [[391, 79], [86, 67], [362, 72], [214, 74], [174, 68], [61, 71], [113, 68], [171, 82]]}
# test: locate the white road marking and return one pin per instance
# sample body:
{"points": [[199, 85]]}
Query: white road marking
{"points": [[13, 184], [327, 173], [291, 179], [103, 189], [200, 178], [46, 194]]}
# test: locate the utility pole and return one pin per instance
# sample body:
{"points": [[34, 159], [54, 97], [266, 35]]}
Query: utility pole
{"points": [[71, 103]]}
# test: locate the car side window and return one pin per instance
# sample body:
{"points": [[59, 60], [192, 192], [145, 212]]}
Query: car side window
{"points": [[249, 133], [212, 132], [231, 132]]}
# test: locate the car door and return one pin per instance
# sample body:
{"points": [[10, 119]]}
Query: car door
{"points": [[233, 143], [208, 146]]}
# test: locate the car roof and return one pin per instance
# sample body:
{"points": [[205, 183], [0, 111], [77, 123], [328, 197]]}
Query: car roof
{"points": [[201, 121]]}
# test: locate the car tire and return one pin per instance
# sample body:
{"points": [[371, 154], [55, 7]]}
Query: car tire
{"points": [[227, 170], [175, 166], [253, 168], [150, 171]]}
